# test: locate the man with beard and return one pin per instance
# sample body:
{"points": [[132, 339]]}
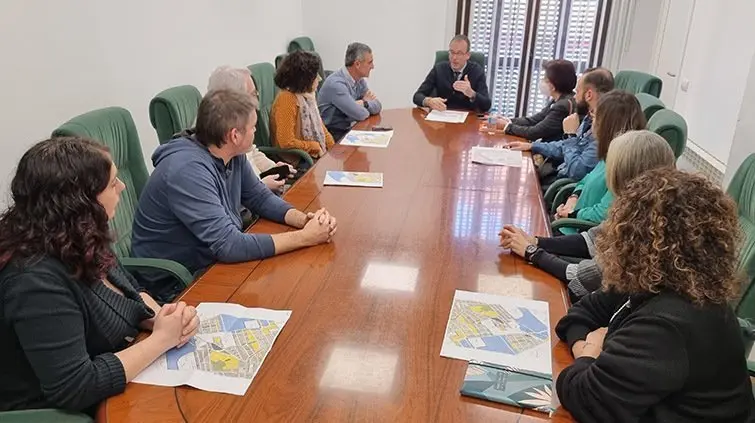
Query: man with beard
{"points": [[576, 155]]}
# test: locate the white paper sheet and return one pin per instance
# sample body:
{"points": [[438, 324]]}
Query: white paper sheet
{"points": [[354, 179], [225, 355], [501, 330], [378, 139], [497, 156], [448, 116]]}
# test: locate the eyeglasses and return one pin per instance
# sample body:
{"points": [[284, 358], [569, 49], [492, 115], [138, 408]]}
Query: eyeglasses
{"points": [[457, 53]]}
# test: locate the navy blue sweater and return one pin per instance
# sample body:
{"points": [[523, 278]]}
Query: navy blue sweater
{"points": [[189, 209]]}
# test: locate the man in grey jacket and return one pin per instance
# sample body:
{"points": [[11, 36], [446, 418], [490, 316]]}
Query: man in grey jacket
{"points": [[189, 209], [344, 97]]}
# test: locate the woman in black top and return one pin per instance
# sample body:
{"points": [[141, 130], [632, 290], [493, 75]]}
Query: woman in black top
{"points": [[68, 311], [660, 342], [629, 155], [547, 125]]}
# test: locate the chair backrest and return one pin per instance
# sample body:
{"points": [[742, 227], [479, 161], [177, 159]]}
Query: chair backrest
{"points": [[475, 56], [672, 127], [114, 127], [301, 43], [263, 75], [650, 104], [742, 190], [638, 82], [174, 110]]}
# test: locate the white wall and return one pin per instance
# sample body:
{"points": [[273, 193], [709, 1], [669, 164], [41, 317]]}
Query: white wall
{"points": [[63, 58], [717, 63], [632, 35], [403, 35]]}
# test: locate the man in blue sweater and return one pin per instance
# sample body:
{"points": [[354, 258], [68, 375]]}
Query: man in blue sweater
{"points": [[189, 209], [577, 154]]}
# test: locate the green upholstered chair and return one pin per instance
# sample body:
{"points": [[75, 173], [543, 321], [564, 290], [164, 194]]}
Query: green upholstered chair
{"points": [[301, 43], [649, 104], [263, 75], [174, 110], [672, 127], [475, 56], [114, 127], [742, 190], [638, 82], [44, 415]]}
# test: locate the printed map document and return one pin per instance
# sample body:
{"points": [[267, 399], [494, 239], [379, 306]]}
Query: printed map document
{"points": [[496, 156], [354, 179], [379, 139], [448, 116], [225, 355], [505, 331]]}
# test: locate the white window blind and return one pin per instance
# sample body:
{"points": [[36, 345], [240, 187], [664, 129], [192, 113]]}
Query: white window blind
{"points": [[519, 43], [580, 31], [546, 36]]}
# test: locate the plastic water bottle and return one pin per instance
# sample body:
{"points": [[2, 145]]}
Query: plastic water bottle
{"points": [[492, 121]]}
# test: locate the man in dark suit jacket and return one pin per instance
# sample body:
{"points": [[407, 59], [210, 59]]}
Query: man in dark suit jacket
{"points": [[456, 84]]}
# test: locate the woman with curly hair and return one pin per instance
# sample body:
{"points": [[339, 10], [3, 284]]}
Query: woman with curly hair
{"points": [[68, 310], [629, 155], [660, 342], [295, 118]]}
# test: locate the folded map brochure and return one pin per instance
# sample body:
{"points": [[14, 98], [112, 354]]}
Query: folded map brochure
{"points": [[504, 331], [226, 353], [354, 179], [507, 385], [379, 139]]}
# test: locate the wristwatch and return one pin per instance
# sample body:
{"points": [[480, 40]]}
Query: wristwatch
{"points": [[530, 251]]}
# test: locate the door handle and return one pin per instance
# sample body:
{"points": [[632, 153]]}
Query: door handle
{"points": [[673, 75]]}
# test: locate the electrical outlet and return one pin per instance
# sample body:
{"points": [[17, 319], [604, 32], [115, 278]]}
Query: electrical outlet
{"points": [[685, 84]]}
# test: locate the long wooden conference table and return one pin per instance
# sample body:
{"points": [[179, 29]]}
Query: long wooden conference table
{"points": [[370, 309]]}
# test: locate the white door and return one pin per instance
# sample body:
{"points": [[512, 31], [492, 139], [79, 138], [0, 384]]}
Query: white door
{"points": [[672, 43]]}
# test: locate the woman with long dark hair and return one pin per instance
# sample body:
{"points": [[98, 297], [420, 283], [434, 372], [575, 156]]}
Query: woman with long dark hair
{"points": [[68, 310]]}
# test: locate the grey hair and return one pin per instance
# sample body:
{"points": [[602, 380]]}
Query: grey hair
{"points": [[633, 153], [232, 79], [356, 51]]}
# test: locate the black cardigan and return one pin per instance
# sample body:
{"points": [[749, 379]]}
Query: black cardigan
{"points": [[663, 360], [547, 124], [58, 336]]}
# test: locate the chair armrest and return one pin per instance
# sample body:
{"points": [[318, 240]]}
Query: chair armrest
{"points": [[44, 415], [175, 269], [277, 150], [562, 195], [578, 224], [550, 194]]}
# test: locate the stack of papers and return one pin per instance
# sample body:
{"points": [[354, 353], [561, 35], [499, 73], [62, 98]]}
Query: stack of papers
{"points": [[225, 355], [354, 179], [448, 116], [496, 156], [379, 139]]}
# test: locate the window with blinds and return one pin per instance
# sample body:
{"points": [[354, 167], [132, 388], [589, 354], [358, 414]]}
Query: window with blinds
{"points": [[518, 36]]}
